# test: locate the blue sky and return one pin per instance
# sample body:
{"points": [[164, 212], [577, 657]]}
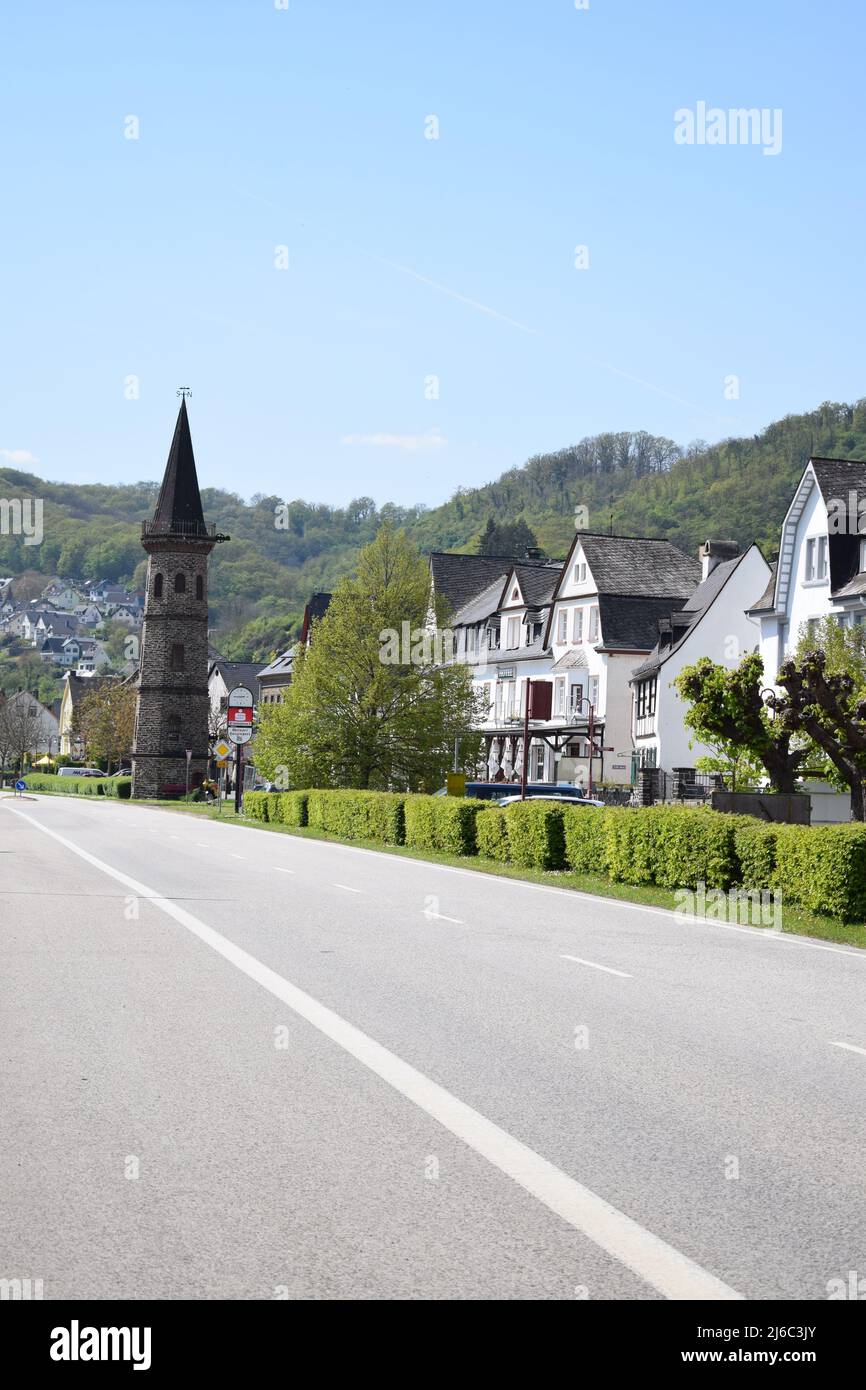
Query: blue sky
{"points": [[410, 257]]}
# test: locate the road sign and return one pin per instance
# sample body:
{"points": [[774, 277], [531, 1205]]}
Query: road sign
{"points": [[20, 786], [239, 734], [221, 750], [239, 719]]}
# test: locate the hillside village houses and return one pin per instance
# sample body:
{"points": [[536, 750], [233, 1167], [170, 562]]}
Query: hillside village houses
{"points": [[60, 624]]}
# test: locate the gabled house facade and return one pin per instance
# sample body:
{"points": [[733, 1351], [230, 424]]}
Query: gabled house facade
{"points": [[603, 619], [821, 570], [713, 622]]}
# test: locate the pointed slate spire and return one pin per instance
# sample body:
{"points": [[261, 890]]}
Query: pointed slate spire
{"points": [[179, 509]]}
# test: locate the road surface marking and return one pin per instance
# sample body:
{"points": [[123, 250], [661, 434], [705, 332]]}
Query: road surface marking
{"points": [[283, 871], [440, 917], [849, 1047], [202, 844], [346, 889], [238, 856], [608, 970], [669, 914], [660, 1265]]}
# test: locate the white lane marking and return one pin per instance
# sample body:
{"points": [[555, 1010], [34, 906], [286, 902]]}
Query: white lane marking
{"points": [[664, 1268], [201, 844], [608, 970], [283, 871], [849, 1047], [440, 917], [346, 889], [174, 837], [238, 856]]}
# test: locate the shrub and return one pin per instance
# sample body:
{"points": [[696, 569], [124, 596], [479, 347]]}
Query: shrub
{"points": [[629, 844], [755, 843], [256, 805], [536, 838], [823, 868], [444, 823], [291, 808], [491, 833], [357, 815], [585, 850], [693, 846]]}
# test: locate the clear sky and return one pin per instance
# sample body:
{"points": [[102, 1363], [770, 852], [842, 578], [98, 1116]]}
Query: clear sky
{"points": [[262, 127]]}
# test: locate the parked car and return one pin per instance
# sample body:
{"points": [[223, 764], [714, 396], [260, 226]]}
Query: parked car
{"points": [[123, 772], [493, 791], [81, 772], [551, 796]]}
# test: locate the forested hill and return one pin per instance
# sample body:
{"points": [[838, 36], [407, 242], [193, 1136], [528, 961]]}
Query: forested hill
{"points": [[647, 486]]}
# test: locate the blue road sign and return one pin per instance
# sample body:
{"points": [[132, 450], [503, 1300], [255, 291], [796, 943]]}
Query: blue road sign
{"points": [[20, 786]]}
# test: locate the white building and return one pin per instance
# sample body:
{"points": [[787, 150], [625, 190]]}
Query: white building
{"points": [[714, 623], [821, 571]]}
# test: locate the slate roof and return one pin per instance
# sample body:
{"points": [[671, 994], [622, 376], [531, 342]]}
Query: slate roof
{"points": [[238, 673], [314, 611], [537, 583], [178, 507], [280, 666], [683, 619], [639, 565], [630, 623], [837, 477], [458, 578], [765, 602]]}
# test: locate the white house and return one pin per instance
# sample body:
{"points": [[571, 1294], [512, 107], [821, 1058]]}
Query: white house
{"points": [[603, 618], [821, 571], [714, 622], [500, 634]]}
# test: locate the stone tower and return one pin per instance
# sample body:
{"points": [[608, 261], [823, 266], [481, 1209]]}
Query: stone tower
{"points": [[172, 703]]}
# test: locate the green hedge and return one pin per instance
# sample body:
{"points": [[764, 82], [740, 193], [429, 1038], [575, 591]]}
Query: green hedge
{"points": [[444, 823], [358, 815], [79, 786], [822, 869], [536, 836], [585, 840], [491, 833]]}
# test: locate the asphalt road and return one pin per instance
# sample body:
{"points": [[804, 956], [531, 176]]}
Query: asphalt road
{"points": [[244, 1065]]}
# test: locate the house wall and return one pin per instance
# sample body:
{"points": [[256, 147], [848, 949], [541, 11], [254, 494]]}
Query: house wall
{"points": [[724, 634]]}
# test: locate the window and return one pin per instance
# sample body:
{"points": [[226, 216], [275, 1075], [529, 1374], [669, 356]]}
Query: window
{"points": [[513, 639], [562, 625], [575, 699], [199, 587], [180, 582], [157, 586], [593, 693], [816, 558], [559, 695], [646, 698], [578, 574], [176, 659], [593, 623], [578, 625], [863, 555], [172, 733]]}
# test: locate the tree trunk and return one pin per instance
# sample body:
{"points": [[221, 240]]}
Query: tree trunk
{"points": [[858, 799]]}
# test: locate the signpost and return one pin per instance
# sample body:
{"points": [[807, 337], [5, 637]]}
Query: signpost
{"points": [[188, 752], [239, 726]]}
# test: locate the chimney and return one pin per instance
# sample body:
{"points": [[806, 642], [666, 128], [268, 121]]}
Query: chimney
{"points": [[534, 552], [712, 553]]}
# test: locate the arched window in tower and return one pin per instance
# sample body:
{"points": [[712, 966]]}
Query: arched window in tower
{"points": [[180, 582], [199, 586], [177, 661], [157, 586]]}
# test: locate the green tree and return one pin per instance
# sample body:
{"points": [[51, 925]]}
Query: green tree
{"points": [[728, 713], [828, 708], [370, 704]]}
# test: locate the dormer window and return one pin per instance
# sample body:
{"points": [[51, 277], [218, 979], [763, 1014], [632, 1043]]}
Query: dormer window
{"points": [[579, 573], [863, 554]]}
